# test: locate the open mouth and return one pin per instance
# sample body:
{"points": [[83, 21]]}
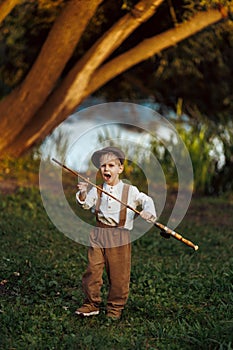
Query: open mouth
{"points": [[107, 176]]}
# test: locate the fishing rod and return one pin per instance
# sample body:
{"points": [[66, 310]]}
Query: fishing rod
{"points": [[165, 229]]}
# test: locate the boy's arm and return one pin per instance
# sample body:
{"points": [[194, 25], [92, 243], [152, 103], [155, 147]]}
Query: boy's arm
{"points": [[146, 215], [148, 210], [88, 199], [148, 207], [82, 193]]}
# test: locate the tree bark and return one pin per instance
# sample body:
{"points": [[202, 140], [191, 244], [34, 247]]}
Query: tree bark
{"points": [[72, 91], [6, 7], [18, 107]]}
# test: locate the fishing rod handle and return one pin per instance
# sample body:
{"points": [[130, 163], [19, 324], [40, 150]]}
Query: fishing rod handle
{"points": [[174, 234]]}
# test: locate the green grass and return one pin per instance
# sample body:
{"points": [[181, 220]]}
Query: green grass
{"points": [[179, 299]]}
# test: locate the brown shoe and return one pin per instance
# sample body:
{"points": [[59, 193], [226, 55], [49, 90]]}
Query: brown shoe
{"points": [[87, 310], [114, 314]]}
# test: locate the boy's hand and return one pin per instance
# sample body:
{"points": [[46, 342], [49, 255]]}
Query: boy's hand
{"points": [[147, 216], [82, 187]]}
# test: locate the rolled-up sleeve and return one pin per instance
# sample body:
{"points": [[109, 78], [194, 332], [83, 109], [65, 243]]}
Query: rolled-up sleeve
{"points": [[146, 202]]}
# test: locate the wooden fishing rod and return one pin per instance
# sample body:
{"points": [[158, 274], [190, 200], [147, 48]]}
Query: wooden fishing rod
{"points": [[162, 227]]}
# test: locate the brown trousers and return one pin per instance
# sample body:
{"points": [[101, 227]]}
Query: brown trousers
{"points": [[116, 259]]}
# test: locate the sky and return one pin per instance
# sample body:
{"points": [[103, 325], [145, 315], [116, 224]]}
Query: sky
{"points": [[127, 125]]}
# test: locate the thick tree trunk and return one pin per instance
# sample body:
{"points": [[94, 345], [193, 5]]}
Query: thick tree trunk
{"points": [[17, 109], [72, 91]]}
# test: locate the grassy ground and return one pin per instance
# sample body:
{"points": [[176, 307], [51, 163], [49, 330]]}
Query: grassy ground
{"points": [[179, 299]]}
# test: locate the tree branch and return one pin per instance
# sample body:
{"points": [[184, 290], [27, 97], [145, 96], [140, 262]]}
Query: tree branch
{"points": [[6, 7], [72, 91], [150, 47]]}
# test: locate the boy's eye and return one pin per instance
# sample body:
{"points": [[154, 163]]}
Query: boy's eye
{"points": [[109, 165]]}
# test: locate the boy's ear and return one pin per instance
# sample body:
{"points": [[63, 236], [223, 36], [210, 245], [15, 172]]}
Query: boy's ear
{"points": [[121, 168]]}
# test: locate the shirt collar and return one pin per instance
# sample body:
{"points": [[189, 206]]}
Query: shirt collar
{"points": [[119, 185]]}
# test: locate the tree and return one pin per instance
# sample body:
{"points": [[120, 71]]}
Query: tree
{"points": [[6, 7], [50, 92]]}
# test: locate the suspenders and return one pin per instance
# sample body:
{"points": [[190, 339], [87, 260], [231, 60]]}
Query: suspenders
{"points": [[123, 209]]}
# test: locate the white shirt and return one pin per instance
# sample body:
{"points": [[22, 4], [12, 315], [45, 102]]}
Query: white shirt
{"points": [[109, 211]]}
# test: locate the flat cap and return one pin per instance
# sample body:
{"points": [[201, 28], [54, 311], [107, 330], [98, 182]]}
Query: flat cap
{"points": [[116, 151]]}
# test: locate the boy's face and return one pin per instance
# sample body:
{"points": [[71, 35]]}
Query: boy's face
{"points": [[110, 168]]}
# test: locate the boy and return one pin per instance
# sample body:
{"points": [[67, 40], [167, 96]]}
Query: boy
{"points": [[110, 245]]}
